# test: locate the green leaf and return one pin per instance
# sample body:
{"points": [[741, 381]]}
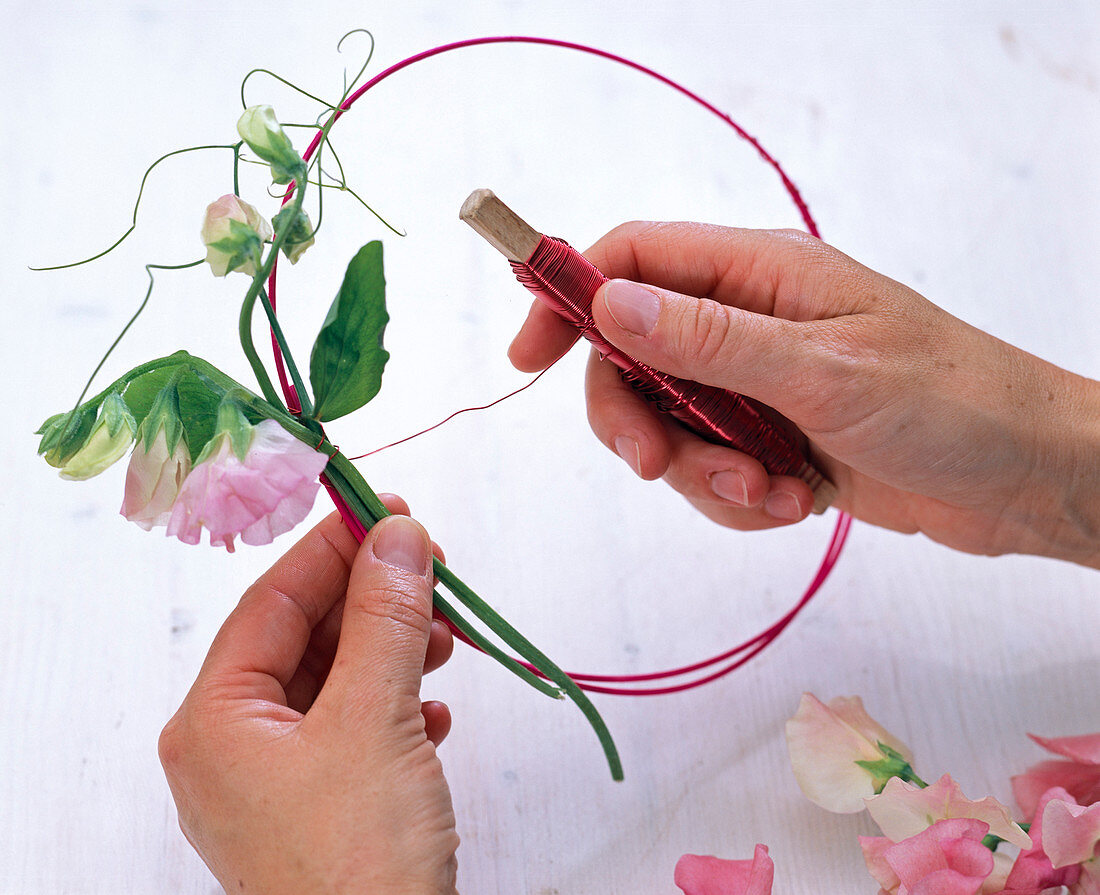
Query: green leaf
{"points": [[345, 367]]}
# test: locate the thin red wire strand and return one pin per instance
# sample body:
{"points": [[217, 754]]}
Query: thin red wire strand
{"points": [[750, 647]]}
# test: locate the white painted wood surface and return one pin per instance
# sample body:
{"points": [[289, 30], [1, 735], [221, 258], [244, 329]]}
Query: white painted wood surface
{"points": [[954, 147]]}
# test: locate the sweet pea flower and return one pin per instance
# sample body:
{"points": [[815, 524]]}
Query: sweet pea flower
{"points": [[234, 233], [153, 480], [946, 858], [1079, 774], [110, 438], [840, 754], [1033, 870], [707, 875], [299, 235], [258, 495], [260, 129], [1071, 835], [903, 810]]}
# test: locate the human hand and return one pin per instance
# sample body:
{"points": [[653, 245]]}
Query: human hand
{"points": [[923, 422], [303, 760]]}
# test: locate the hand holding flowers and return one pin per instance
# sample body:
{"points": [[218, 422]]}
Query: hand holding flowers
{"points": [[209, 453]]}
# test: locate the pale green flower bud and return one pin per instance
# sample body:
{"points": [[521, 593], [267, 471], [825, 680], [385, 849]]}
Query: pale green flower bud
{"points": [[234, 233], [299, 235], [260, 129], [110, 438]]}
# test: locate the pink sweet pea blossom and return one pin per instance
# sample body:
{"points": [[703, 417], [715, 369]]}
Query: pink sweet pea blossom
{"points": [[947, 858], [903, 810], [707, 875], [1079, 775], [826, 741], [1071, 835], [233, 233], [153, 481], [267, 493], [1033, 871]]}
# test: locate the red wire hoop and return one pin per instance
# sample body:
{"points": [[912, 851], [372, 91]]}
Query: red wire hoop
{"points": [[736, 656]]}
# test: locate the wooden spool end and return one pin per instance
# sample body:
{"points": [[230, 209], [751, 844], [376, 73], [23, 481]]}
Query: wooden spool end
{"points": [[501, 227], [517, 240]]}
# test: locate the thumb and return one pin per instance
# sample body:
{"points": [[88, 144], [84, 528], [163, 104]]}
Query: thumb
{"points": [[704, 340], [387, 618]]}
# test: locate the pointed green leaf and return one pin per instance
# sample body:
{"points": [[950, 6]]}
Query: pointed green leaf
{"points": [[346, 365]]}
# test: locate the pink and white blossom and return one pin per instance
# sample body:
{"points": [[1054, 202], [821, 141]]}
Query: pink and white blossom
{"points": [[707, 875], [1033, 870], [267, 493], [233, 233], [826, 741], [1078, 772], [946, 858], [153, 481], [1071, 839], [903, 810]]}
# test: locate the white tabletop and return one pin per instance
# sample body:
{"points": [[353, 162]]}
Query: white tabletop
{"points": [[956, 148]]}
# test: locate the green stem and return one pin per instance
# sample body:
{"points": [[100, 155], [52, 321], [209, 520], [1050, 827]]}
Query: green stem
{"points": [[245, 323], [369, 501], [288, 358], [368, 518]]}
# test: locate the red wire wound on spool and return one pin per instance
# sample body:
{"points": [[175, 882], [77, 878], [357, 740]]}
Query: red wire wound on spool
{"points": [[564, 280]]}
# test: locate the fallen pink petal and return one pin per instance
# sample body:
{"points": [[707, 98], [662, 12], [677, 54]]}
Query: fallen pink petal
{"points": [[947, 858], [1078, 772], [708, 875], [1033, 871]]}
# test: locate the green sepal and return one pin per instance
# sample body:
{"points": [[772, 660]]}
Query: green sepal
{"points": [[232, 423], [199, 389], [299, 231], [892, 764], [347, 361], [115, 414], [243, 246], [63, 434], [164, 414]]}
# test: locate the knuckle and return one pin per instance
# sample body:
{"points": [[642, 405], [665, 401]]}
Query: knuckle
{"points": [[402, 602], [172, 746], [706, 332]]}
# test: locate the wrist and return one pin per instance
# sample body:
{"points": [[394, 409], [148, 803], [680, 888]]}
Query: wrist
{"points": [[1064, 493]]}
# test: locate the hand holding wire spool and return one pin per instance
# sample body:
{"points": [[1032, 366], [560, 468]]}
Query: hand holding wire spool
{"points": [[565, 282]]}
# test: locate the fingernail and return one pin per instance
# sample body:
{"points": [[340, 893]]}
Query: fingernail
{"points": [[782, 505], [731, 486], [401, 543], [634, 308], [627, 448]]}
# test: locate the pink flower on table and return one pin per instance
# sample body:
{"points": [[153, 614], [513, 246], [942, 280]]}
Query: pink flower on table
{"points": [[903, 810], [1071, 839], [946, 858], [1079, 774], [153, 481], [265, 493], [707, 875], [826, 742], [1033, 870]]}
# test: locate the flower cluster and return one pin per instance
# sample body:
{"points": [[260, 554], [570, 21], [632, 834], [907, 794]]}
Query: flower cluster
{"points": [[935, 841], [256, 480]]}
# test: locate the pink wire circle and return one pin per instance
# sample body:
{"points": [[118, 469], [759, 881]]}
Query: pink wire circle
{"points": [[736, 656]]}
